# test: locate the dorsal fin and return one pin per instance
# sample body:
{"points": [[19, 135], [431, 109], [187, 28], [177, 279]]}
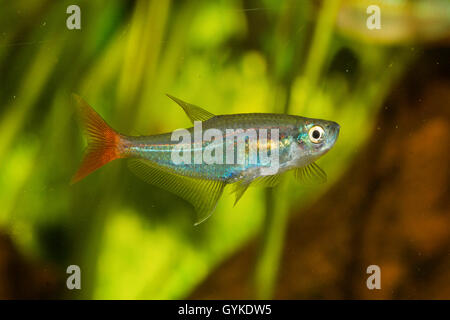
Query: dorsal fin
{"points": [[193, 112]]}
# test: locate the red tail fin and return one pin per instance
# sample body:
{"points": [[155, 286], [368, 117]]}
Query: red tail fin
{"points": [[103, 142]]}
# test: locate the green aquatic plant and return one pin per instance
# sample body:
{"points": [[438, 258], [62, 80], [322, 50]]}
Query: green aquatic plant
{"points": [[130, 239]]}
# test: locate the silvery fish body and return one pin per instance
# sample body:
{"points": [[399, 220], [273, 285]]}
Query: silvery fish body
{"points": [[197, 163], [294, 146]]}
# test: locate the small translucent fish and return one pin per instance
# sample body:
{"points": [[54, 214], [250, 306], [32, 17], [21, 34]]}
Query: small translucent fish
{"points": [[238, 149]]}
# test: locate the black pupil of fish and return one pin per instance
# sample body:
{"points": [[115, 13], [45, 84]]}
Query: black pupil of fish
{"points": [[316, 134]]}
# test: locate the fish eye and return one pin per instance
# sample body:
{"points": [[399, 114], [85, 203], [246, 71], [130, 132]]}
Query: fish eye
{"points": [[316, 134]]}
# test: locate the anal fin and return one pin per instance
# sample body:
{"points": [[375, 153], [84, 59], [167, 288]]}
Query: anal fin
{"points": [[202, 194]]}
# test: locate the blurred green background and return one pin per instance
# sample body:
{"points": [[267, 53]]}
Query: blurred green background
{"points": [[132, 240]]}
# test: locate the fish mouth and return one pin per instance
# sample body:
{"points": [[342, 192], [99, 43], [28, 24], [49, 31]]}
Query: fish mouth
{"points": [[334, 129]]}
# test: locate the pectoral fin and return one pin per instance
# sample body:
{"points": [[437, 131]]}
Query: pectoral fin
{"points": [[193, 112], [310, 174], [202, 194]]}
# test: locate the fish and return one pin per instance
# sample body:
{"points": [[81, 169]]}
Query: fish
{"points": [[240, 150]]}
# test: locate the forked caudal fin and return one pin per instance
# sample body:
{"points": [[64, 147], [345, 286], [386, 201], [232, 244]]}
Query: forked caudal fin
{"points": [[104, 143]]}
